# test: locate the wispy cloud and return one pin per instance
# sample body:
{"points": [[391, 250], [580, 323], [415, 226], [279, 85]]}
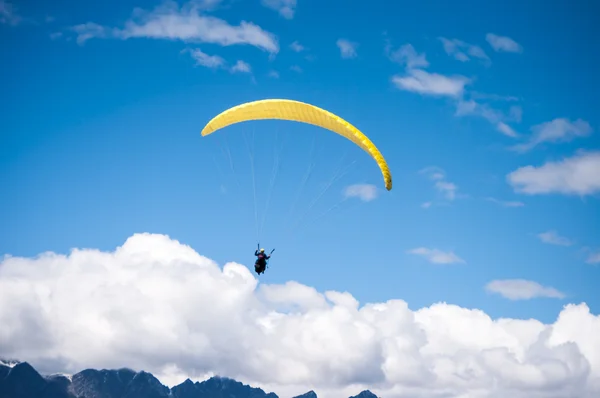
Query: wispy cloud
{"points": [[347, 48], [506, 203], [417, 80], [493, 97], [91, 30], [407, 55], [495, 117], [577, 175], [241, 67], [285, 8], [425, 83], [553, 238], [365, 192], [555, 131], [506, 129], [520, 289], [297, 47], [203, 59], [296, 68], [593, 258], [56, 35], [185, 23], [274, 74], [503, 43], [8, 14], [436, 256], [463, 51], [446, 188], [217, 62]]}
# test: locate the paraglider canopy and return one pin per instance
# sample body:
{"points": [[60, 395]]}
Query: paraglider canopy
{"points": [[299, 112]]}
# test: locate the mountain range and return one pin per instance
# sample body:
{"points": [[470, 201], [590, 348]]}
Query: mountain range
{"points": [[21, 380]]}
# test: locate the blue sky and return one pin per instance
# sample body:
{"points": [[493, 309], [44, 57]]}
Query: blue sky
{"points": [[486, 114]]}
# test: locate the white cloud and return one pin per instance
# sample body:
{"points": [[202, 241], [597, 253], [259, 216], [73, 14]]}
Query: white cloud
{"points": [[407, 55], [426, 205], [209, 61], [436, 256], [296, 68], [506, 130], [8, 14], [593, 258], [56, 35], [506, 203], [285, 8], [425, 83], [347, 48], [365, 192], [515, 113], [448, 189], [217, 62], [577, 175], [519, 289], [297, 47], [495, 117], [553, 238], [89, 31], [493, 97], [463, 51], [186, 23], [557, 130], [274, 74], [157, 305], [503, 43], [242, 67]]}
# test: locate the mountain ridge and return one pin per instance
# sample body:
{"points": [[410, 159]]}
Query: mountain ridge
{"points": [[21, 380]]}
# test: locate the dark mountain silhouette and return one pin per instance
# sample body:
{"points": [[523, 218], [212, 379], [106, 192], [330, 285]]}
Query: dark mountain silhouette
{"points": [[365, 394], [21, 380], [310, 394]]}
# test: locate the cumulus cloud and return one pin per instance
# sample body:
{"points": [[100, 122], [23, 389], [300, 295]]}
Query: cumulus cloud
{"points": [[553, 238], [436, 256], [188, 23], [158, 305], [577, 175], [503, 43], [557, 130], [462, 51], [407, 55], [8, 14], [425, 83], [285, 8], [347, 48], [365, 192], [520, 289]]}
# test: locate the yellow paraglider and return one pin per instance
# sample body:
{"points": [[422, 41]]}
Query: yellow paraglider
{"points": [[299, 112]]}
